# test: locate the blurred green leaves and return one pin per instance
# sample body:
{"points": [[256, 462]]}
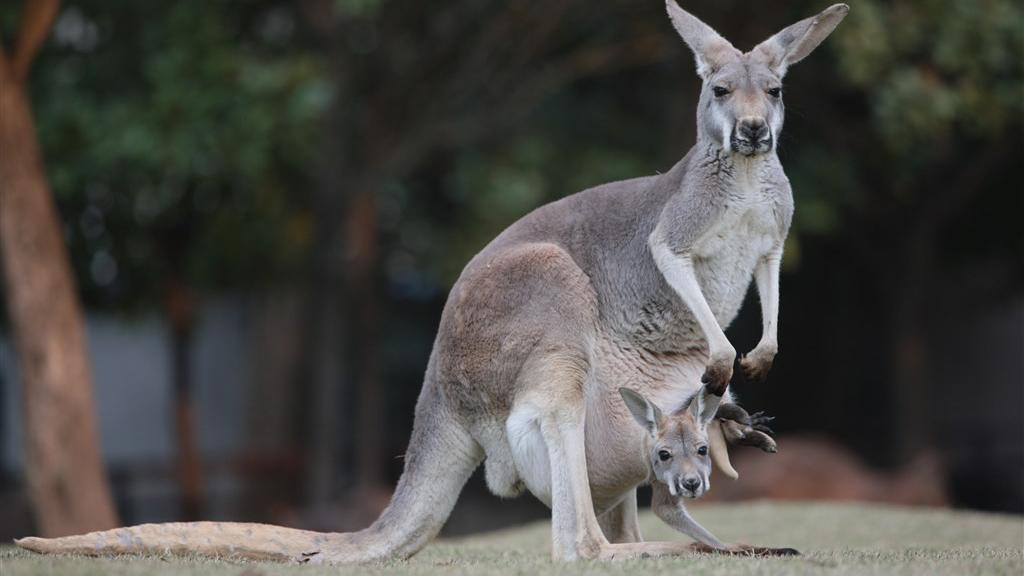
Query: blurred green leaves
{"points": [[357, 8], [185, 137], [495, 188], [933, 67], [188, 131]]}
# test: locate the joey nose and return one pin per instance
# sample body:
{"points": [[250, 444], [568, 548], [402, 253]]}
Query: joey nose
{"points": [[691, 483]]}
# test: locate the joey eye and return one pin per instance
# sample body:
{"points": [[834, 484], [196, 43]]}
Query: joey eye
{"points": [[775, 92], [720, 91], [664, 455], [703, 450]]}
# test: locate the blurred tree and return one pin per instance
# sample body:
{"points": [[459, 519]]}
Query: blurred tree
{"points": [[943, 82], [68, 487], [180, 159]]}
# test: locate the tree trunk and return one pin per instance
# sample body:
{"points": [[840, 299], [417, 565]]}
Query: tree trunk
{"points": [[67, 484], [951, 190], [911, 422], [370, 459], [325, 412], [180, 309]]}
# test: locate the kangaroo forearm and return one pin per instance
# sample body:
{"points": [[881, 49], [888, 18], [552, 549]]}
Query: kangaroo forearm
{"points": [[670, 510], [767, 277], [758, 362], [680, 275]]}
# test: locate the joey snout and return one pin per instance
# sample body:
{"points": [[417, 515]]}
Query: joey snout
{"points": [[691, 486], [686, 485]]}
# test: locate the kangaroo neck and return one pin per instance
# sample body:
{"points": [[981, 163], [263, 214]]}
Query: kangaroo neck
{"points": [[726, 173]]}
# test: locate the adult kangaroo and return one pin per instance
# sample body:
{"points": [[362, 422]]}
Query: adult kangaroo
{"points": [[626, 285]]}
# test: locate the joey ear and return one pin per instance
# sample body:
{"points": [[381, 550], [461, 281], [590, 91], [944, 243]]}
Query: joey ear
{"points": [[793, 43], [694, 405], [710, 49], [646, 413], [703, 405]]}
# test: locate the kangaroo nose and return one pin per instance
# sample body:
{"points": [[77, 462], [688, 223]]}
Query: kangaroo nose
{"points": [[753, 129], [691, 483]]}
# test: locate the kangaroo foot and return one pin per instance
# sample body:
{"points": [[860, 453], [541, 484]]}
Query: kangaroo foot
{"points": [[743, 550], [741, 428], [636, 550], [736, 433]]}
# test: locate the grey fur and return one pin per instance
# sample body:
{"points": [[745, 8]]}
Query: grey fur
{"points": [[628, 284]]}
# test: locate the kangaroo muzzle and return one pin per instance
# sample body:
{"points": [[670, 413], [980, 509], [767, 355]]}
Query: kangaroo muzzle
{"points": [[751, 136]]}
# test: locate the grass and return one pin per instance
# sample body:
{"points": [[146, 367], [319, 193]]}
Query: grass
{"points": [[835, 539]]}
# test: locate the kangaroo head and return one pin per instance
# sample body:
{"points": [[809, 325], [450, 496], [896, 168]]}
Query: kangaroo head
{"points": [[740, 108], [677, 444]]}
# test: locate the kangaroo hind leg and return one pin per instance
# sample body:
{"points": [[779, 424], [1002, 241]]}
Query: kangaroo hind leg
{"points": [[558, 399], [620, 523]]}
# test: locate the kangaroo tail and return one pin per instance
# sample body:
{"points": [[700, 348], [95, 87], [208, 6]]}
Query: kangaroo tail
{"points": [[720, 450], [216, 539], [440, 458]]}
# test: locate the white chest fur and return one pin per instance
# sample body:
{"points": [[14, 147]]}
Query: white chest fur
{"points": [[747, 225], [725, 255]]}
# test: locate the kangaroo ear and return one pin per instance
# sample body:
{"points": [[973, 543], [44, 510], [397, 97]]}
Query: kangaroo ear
{"points": [[694, 405], [703, 405], [710, 49], [793, 43], [646, 413]]}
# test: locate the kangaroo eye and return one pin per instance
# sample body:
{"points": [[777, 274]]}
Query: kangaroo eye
{"points": [[775, 92], [720, 91], [703, 450], [664, 455]]}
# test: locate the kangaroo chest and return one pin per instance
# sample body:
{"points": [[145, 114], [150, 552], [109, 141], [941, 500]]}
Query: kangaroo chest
{"points": [[747, 226], [726, 254]]}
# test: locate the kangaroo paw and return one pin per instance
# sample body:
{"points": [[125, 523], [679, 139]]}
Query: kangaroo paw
{"points": [[759, 421], [758, 363], [716, 377]]}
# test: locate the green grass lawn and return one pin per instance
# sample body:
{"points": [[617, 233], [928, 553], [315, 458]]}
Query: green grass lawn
{"points": [[835, 539]]}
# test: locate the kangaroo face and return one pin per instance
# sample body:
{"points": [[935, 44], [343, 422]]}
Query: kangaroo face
{"points": [[679, 456], [677, 444], [741, 108]]}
